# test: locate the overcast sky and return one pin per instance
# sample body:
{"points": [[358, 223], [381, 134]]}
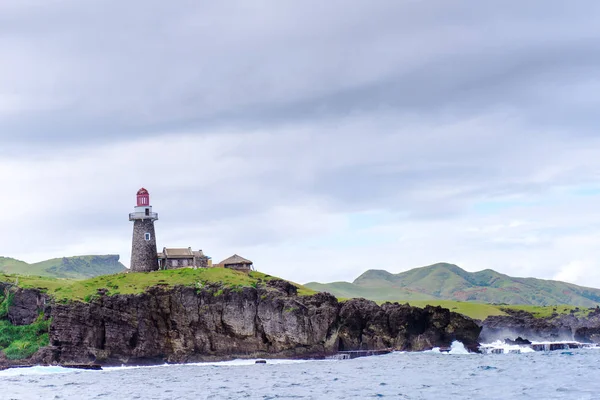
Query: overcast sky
{"points": [[317, 138]]}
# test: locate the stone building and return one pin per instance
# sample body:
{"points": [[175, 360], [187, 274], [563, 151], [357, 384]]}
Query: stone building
{"points": [[143, 247], [236, 262], [183, 258]]}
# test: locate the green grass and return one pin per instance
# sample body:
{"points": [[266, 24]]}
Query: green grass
{"points": [[548, 311], [133, 283], [376, 293], [482, 311], [5, 302], [18, 342], [473, 310]]}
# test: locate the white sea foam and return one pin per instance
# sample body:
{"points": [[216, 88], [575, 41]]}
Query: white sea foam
{"points": [[456, 348], [231, 363], [507, 348], [38, 370], [435, 350]]}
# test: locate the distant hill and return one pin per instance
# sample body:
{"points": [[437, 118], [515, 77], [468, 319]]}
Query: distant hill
{"points": [[80, 267], [449, 282]]}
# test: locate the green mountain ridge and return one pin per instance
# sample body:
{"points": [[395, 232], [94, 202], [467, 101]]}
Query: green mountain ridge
{"points": [[445, 281], [78, 267]]}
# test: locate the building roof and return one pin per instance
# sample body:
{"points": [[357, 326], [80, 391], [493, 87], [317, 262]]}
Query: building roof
{"points": [[235, 259], [180, 253]]}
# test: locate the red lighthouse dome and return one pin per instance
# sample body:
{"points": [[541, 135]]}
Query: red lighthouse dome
{"points": [[143, 198]]}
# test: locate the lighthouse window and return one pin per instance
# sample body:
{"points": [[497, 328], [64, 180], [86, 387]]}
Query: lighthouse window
{"points": [[147, 236]]}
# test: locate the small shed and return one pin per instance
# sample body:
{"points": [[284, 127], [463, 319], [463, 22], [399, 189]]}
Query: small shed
{"points": [[237, 262]]}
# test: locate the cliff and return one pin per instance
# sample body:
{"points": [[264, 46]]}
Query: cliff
{"points": [[581, 327], [214, 322]]}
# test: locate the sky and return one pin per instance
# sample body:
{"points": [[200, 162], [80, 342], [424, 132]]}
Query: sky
{"points": [[318, 139]]}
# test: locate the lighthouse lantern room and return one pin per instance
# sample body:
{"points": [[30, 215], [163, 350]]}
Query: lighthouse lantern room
{"points": [[143, 198], [143, 248]]}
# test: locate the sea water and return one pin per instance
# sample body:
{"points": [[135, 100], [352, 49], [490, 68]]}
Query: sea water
{"points": [[572, 374]]}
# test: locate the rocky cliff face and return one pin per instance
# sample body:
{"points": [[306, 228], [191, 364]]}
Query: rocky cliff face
{"points": [[555, 328], [185, 324]]}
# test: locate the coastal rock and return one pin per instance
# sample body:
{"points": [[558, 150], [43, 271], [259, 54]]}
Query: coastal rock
{"points": [[519, 341], [587, 334], [186, 324], [26, 305], [284, 286], [366, 326], [563, 327]]}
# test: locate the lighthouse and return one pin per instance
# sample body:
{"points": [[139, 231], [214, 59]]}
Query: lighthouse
{"points": [[143, 249]]}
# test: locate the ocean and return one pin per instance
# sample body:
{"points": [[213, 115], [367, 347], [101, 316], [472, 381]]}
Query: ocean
{"points": [[572, 374]]}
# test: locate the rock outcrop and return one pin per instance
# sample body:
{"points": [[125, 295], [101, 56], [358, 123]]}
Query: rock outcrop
{"points": [[557, 327], [185, 324], [365, 325]]}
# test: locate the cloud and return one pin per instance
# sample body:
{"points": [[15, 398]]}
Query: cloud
{"points": [[318, 139], [92, 73]]}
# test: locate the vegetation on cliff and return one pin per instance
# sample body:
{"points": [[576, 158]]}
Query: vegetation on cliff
{"points": [[135, 283], [80, 267], [449, 282], [19, 342]]}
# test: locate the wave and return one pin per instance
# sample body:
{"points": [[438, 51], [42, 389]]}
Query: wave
{"points": [[506, 348], [51, 370], [456, 348], [37, 370], [230, 363], [500, 347]]}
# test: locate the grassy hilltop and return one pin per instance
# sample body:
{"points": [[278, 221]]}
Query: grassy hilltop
{"points": [[449, 282], [476, 294], [80, 267], [138, 282]]}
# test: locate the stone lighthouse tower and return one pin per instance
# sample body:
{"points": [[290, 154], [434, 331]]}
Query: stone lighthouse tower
{"points": [[143, 248]]}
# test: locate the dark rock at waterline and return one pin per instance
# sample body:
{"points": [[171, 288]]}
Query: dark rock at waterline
{"points": [[184, 324], [93, 367], [518, 341], [587, 334]]}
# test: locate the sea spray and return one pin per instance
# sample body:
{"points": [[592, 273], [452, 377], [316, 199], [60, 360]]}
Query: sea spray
{"points": [[506, 348], [456, 348]]}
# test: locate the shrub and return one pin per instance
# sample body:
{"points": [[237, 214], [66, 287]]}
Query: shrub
{"points": [[18, 342], [5, 302]]}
